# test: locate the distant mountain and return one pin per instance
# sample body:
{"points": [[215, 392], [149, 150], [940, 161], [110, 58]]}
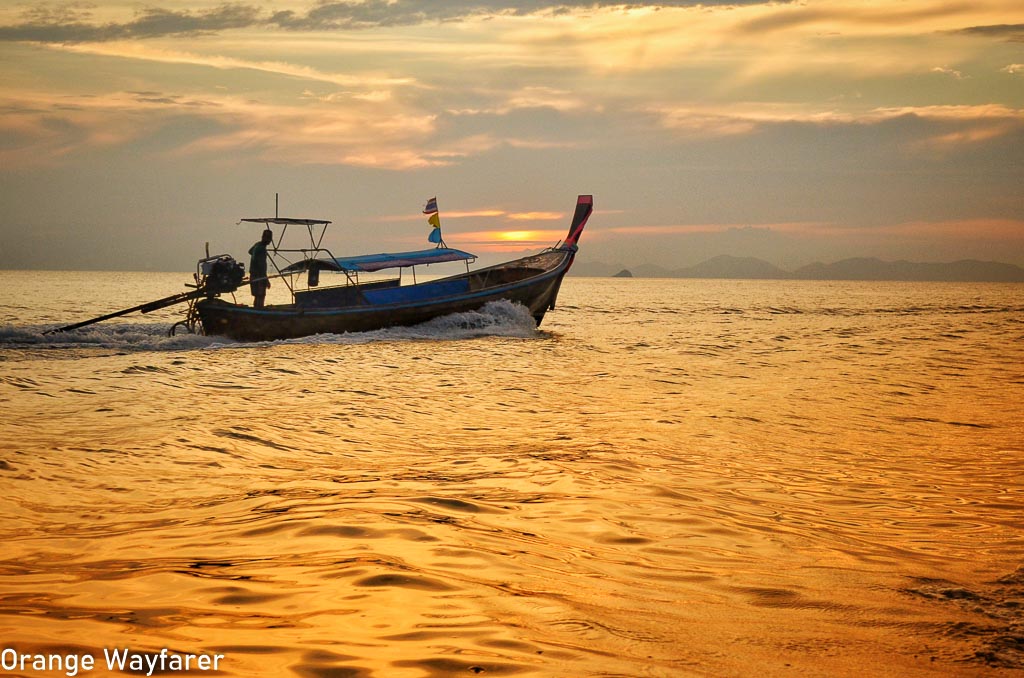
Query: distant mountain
{"points": [[624, 273], [725, 266], [967, 270]]}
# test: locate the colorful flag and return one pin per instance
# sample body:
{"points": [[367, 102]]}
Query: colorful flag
{"points": [[435, 221]]}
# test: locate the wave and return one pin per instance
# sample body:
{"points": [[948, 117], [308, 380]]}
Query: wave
{"points": [[501, 318]]}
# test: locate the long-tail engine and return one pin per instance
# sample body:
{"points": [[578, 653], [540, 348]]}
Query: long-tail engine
{"points": [[220, 274]]}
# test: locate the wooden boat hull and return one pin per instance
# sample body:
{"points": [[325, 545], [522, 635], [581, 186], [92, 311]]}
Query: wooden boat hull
{"points": [[532, 282]]}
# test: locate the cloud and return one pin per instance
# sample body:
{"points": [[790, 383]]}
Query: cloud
{"points": [[524, 98], [134, 50], [798, 16], [347, 15], [536, 216], [384, 132], [330, 135], [942, 125], [45, 130], [71, 24], [74, 23], [1009, 230], [48, 129], [953, 73], [484, 213], [466, 214], [702, 121], [1010, 32]]}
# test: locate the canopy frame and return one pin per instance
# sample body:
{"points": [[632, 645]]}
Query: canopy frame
{"points": [[316, 257]]}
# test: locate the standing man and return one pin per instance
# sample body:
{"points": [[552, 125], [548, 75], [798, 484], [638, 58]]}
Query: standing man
{"points": [[258, 283]]}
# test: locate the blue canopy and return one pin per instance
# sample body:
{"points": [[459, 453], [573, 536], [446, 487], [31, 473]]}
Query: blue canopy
{"points": [[375, 262]]}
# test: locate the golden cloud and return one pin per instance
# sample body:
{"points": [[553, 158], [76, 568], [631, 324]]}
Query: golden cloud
{"points": [[372, 83], [536, 216], [49, 127], [977, 122]]}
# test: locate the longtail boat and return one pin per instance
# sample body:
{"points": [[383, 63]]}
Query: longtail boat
{"points": [[359, 304]]}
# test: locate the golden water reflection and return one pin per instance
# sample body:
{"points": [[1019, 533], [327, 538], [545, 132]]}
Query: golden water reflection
{"points": [[746, 487]]}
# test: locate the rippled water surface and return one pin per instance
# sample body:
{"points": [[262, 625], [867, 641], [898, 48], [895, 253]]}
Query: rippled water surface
{"points": [[670, 478]]}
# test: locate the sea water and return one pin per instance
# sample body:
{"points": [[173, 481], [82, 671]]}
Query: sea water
{"points": [[668, 478]]}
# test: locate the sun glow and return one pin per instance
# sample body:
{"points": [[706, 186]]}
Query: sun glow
{"points": [[509, 241], [737, 116], [517, 236], [547, 236]]}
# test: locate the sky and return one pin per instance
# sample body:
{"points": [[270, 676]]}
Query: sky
{"points": [[133, 133]]}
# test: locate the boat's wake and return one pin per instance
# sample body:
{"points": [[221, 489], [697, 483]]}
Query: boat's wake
{"points": [[113, 336], [496, 319], [500, 318]]}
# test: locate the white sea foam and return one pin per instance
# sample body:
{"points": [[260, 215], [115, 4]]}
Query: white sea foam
{"points": [[500, 318], [124, 336], [497, 318], [140, 336]]}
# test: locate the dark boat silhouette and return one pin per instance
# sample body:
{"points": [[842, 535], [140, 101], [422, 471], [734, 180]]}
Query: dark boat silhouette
{"points": [[356, 306], [360, 305]]}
